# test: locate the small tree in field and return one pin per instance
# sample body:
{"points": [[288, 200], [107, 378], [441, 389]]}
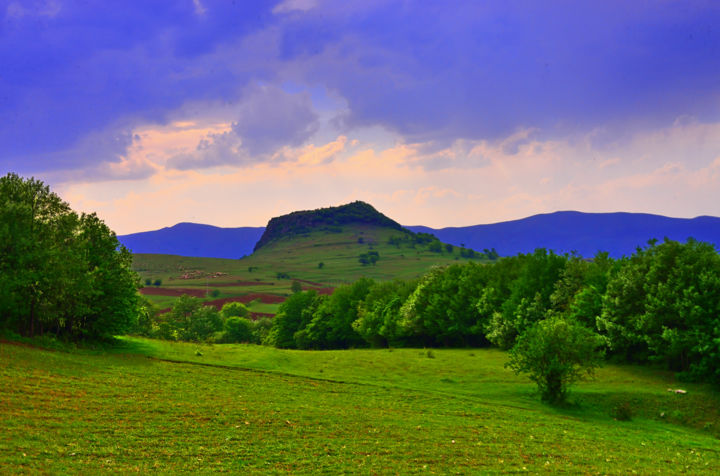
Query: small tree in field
{"points": [[556, 352]]}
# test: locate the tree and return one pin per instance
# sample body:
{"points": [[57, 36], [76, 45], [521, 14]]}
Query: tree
{"points": [[238, 329], [296, 287], [61, 272], [293, 315], [234, 309], [556, 353]]}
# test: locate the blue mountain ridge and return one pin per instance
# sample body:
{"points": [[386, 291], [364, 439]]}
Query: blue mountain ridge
{"points": [[566, 231]]}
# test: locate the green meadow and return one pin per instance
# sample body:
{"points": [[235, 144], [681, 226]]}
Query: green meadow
{"points": [[145, 405]]}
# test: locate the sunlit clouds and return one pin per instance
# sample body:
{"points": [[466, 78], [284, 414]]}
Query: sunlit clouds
{"points": [[443, 115]]}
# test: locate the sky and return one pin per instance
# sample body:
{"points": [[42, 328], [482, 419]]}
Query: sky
{"points": [[230, 112]]}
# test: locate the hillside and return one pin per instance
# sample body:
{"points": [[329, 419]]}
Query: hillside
{"points": [[320, 250], [618, 233], [324, 219]]}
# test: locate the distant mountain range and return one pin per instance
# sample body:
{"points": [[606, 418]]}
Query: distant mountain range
{"points": [[585, 233]]}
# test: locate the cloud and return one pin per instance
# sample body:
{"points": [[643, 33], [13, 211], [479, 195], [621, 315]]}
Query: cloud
{"points": [[269, 124], [432, 74], [271, 118]]}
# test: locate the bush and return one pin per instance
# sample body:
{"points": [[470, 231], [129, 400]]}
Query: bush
{"points": [[234, 309], [158, 282], [239, 329], [556, 353]]}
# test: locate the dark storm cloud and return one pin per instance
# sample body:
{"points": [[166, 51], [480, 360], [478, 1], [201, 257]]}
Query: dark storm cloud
{"points": [[430, 71]]}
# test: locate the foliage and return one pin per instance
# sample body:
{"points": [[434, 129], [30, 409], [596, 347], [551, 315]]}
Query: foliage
{"points": [[294, 314], [378, 313], [331, 324], [528, 298], [441, 310], [296, 287], [238, 329], [190, 320], [60, 272], [370, 257], [556, 353], [234, 309], [663, 305]]}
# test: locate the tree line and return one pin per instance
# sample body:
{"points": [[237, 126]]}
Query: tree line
{"points": [[61, 272], [660, 305]]}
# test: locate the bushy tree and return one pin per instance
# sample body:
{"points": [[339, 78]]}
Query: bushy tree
{"points": [[663, 305], [190, 320], [294, 314], [234, 309], [239, 329], [331, 324], [61, 272], [379, 313], [555, 353], [529, 296], [442, 308]]}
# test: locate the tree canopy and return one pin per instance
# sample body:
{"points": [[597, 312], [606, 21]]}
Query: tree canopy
{"points": [[60, 272]]}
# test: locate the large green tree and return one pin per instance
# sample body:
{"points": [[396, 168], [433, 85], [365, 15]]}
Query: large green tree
{"points": [[60, 272]]}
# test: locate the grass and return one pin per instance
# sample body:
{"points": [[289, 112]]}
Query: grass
{"points": [[298, 258], [150, 405]]}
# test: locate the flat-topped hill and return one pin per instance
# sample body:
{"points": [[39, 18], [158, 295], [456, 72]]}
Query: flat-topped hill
{"points": [[302, 222]]}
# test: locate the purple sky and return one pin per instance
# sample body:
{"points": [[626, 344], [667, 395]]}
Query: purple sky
{"points": [[438, 113]]}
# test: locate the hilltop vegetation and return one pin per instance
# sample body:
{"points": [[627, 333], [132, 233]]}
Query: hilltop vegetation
{"points": [[325, 219]]}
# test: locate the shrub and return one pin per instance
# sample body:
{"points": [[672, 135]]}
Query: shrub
{"points": [[556, 353]]}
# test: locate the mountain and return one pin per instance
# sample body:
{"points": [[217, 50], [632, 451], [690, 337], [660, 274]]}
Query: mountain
{"points": [[324, 219], [192, 239], [586, 233]]}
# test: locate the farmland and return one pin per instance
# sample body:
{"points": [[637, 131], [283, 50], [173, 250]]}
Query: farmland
{"points": [[268, 273]]}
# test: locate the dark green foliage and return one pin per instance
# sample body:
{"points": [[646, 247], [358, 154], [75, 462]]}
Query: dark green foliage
{"points": [[190, 320], [296, 287], [60, 272], [371, 257], [528, 299], [239, 329], [663, 305], [467, 253], [282, 275], [555, 353], [442, 311], [148, 282], [215, 293], [321, 265], [157, 282], [449, 248], [378, 313], [491, 253], [331, 324], [435, 246], [294, 314]]}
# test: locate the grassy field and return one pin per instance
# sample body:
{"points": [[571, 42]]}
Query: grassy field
{"points": [[297, 258], [172, 407]]}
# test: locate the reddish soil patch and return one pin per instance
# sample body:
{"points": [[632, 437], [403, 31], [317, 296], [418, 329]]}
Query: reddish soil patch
{"points": [[311, 283], [327, 291], [153, 291], [257, 315], [242, 283]]}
